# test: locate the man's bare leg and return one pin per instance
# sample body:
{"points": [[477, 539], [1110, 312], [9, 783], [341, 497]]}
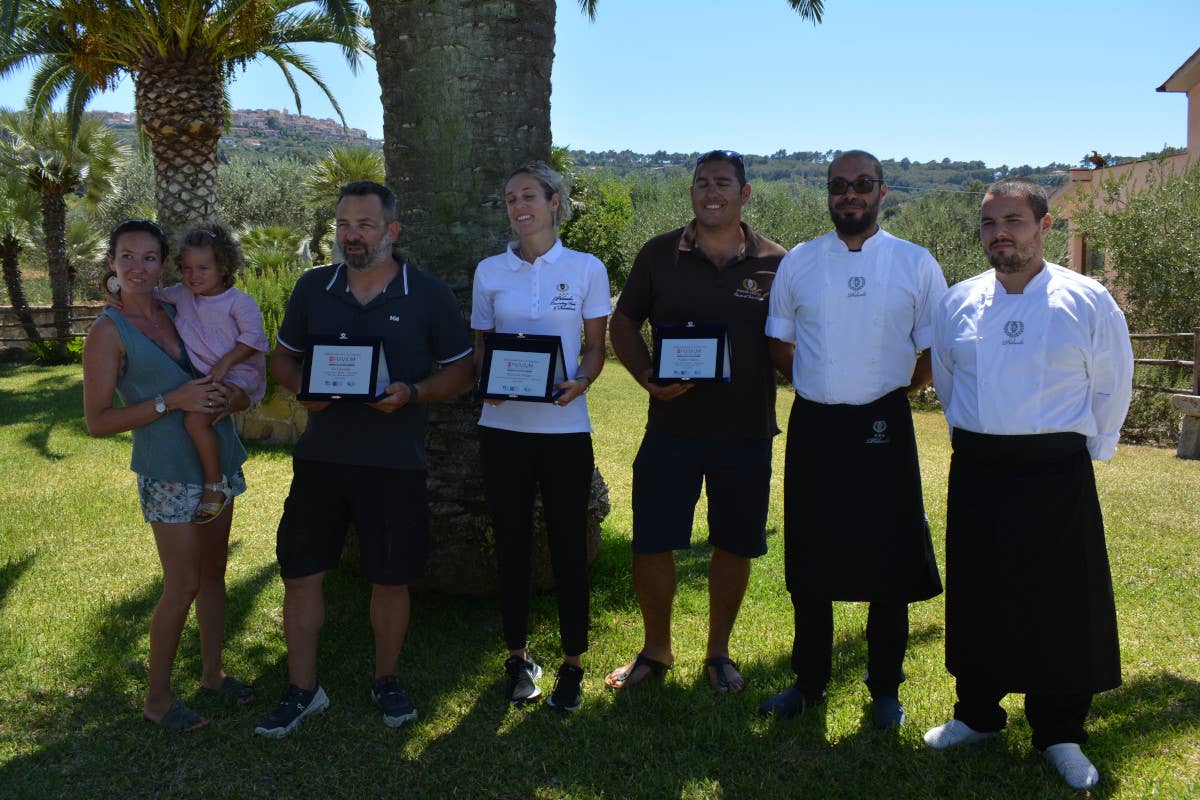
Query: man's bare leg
{"points": [[389, 621], [654, 583], [728, 575]]}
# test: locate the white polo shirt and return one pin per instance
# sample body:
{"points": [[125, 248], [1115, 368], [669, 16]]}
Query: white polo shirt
{"points": [[1054, 358], [552, 296], [858, 319]]}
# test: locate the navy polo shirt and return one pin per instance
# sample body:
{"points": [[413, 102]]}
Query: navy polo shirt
{"points": [[420, 324]]}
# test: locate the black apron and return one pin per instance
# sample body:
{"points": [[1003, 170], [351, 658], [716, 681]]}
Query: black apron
{"points": [[854, 518], [1029, 602]]}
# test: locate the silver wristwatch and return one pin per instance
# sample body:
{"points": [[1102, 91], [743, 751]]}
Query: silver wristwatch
{"points": [[160, 404]]}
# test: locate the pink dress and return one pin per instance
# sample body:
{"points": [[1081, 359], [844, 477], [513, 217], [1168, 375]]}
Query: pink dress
{"points": [[211, 326]]}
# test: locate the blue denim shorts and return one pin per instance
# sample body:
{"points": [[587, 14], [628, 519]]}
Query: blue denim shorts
{"points": [[165, 501]]}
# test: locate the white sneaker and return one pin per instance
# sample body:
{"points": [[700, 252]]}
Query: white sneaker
{"points": [[954, 733], [1073, 765]]}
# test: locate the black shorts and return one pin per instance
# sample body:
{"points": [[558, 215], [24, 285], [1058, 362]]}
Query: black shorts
{"points": [[389, 507], [667, 475]]}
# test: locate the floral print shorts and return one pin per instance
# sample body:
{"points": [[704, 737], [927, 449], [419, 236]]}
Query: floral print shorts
{"points": [[164, 501]]}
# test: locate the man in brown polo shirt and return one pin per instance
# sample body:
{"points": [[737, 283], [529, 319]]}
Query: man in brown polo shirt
{"points": [[714, 270]]}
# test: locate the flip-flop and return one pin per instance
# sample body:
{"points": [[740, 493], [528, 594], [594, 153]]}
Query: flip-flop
{"points": [[179, 719], [234, 690], [723, 685], [657, 668]]}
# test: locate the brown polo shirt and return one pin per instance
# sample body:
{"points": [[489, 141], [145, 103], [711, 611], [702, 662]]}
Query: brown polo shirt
{"points": [[673, 282]]}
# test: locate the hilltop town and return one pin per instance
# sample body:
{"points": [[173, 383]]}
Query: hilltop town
{"points": [[251, 127]]}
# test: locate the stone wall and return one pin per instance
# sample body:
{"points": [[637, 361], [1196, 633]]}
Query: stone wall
{"points": [[12, 335], [279, 419]]}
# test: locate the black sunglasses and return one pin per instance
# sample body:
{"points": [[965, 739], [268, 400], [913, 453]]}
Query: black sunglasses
{"points": [[723, 155], [859, 185]]}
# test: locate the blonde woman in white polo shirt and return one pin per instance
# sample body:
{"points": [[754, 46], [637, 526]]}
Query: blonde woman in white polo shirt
{"points": [[537, 286]]}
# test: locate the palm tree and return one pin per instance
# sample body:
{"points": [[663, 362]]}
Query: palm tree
{"points": [[57, 161], [20, 213], [466, 97], [270, 247], [181, 55], [86, 245], [341, 165]]}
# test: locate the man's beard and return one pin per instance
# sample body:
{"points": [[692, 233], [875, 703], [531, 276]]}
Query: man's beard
{"points": [[369, 258], [853, 226], [1016, 260]]}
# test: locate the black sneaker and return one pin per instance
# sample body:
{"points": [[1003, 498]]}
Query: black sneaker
{"points": [[397, 706], [567, 694], [293, 707], [521, 677]]}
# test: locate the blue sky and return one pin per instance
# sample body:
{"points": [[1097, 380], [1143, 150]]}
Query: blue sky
{"points": [[1018, 82]]}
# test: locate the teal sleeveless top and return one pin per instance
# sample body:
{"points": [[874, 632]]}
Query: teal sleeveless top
{"points": [[163, 449]]}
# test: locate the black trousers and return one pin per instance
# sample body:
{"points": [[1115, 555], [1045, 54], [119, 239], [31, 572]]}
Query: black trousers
{"points": [[515, 466], [1054, 717], [812, 647]]}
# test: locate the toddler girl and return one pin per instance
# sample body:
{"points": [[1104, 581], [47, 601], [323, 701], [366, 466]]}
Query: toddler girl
{"points": [[222, 329]]}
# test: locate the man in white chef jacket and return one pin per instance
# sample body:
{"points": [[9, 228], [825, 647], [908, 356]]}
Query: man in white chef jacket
{"points": [[1033, 366], [851, 322]]}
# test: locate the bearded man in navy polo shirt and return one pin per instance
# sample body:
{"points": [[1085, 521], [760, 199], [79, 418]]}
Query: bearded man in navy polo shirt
{"points": [[362, 462]]}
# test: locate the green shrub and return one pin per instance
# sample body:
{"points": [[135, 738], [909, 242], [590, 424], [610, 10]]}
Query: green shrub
{"points": [[603, 209], [273, 264], [1150, 241], [47, 353]]}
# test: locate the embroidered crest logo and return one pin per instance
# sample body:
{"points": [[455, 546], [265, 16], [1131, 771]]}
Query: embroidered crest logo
{"points": [[857, 285], [750, 289], [343, 335], [1013, 330], [880, 434], [564, 300]]}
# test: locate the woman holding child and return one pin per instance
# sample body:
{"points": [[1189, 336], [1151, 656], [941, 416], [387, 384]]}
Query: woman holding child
{"points": [[137, 353]]}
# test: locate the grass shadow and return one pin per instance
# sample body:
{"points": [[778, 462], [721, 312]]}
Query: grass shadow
{"points": [[50, 402], [11, 572], [1148, 712]]}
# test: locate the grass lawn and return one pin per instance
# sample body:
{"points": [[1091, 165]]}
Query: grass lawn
{"points": [[79, 578]]}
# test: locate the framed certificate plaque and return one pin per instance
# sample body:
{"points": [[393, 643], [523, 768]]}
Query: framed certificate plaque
{"points": [[351, 368], [692, 353], [518, 366]]}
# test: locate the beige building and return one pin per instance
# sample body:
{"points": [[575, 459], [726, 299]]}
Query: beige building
{"points": [[1081, 184]]}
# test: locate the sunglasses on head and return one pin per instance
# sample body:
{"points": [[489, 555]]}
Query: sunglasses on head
{"points": [[722, 155], [138, 220], [859, 185]]}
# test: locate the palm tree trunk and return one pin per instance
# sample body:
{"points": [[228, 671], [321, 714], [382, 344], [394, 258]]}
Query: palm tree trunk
{"points": [[466, 98], [54, 228], [10, 254], [181, 106]]}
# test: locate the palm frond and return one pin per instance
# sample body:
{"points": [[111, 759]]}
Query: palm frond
{"points": [[285, 57], [809, 9]]}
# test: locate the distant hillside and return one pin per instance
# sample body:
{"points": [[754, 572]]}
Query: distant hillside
{"points": [[904, 177], [266, 134]]}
